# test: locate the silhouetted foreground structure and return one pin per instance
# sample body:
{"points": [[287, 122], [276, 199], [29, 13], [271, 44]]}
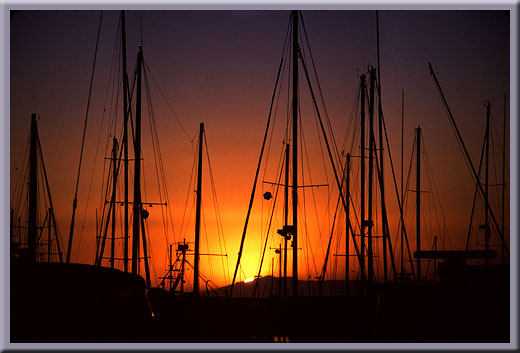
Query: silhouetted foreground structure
{"points": [[59, 302], [469, 304]]}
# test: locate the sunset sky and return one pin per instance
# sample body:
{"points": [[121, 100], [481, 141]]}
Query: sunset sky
{"points": [[219, 67]]}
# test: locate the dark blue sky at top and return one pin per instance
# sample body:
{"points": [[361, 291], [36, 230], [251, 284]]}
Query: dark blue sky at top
{"points": [[220, 66]]}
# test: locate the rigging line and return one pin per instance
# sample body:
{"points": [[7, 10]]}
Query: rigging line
{"points": [[281, 163], [324, 268], [496, 160], [269, 226], [150, 252], [22, 152], [304, 205], [75, 202], [274, 123], [109, 184], [49, 198], [201, 276], [168, 104], [286, 51], [405, 198], [112, 110], [353, 123], [435, 195], [19, 185], [207, 241], [395, 183], [100, 131], [188, 195], [103, 197], [255, 181], [218, 217], [475, 194], [303, 148], [326, 114], [159, 161], [384, 215], [157, 154], [402, 220], [331, 158]]}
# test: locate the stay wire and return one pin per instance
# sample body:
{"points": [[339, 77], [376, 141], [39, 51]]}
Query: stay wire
{"points": [[255, 183], [269, 226], [168, 104], [326, 114], [88, 104], [159, 168], [220, 229]]}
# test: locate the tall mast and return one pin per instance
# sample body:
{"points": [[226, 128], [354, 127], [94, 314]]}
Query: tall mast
{"points": [[286, 218], [11, 232], [113, 201], [295, 50], [33, 190], [137, 170], [348, 226], [504, 176], [125, 139], [197, 216], [371, 142], [49, 236], [402, 193], [381, 182], [486, 187], [362, 228], [280, 271], [418, 200]]}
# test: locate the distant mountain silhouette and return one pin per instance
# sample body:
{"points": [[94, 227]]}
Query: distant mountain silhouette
{"points": [[269, 286]]}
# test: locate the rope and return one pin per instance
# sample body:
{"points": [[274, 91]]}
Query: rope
{"points": [[218, 217], [83, 140], [255, 182], [168, 104]]}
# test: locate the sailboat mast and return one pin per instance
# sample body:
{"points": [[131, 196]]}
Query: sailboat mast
{"points": [[386, 236], [504, 175], [33, 190], [286, 218], [370, 174], [280, 271], [486, 186], [197, 216], [362, 228], [49, 236], [11, 231], [137, 169], [402, 193], [125, 140], [295, 50], [418, 201], [348, 226], [113, 201]]}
